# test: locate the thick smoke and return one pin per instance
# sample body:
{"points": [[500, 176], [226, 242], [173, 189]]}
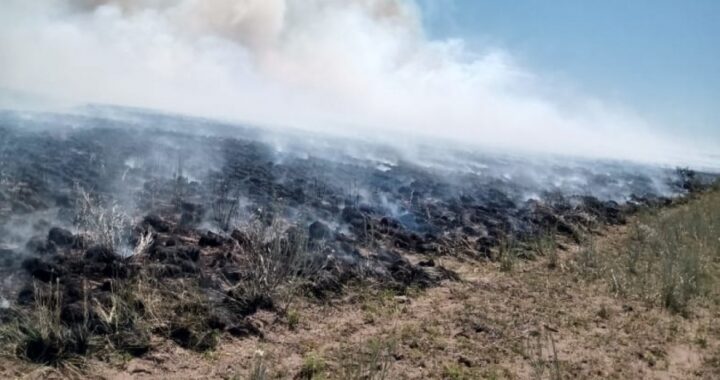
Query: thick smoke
{"points": [[357, 67]]}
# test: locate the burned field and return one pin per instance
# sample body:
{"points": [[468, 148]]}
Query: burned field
{"points": [[118, 231]]}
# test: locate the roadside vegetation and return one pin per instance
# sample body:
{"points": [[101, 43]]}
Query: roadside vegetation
{"points": [[668, 257]]}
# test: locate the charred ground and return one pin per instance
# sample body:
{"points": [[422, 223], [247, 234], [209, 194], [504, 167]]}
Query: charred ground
{"points": [[117, 230]]}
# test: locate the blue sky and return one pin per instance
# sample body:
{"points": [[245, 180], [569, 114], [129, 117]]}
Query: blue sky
{"points": [[660, 58]]}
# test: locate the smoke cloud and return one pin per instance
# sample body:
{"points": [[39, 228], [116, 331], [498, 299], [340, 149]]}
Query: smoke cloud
{"points": [[358, 67]]}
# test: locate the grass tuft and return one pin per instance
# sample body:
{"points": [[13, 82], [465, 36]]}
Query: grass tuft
{"points": [[313, 367]]}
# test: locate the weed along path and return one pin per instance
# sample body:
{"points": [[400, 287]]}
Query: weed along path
{"points": [[638, 300]]}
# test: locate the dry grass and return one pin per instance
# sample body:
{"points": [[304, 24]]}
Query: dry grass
{"points": [[259, 370], [373, 361], [546, 245], [120, 324], [669, 258], [276, 262], [100, 224], [39, 335], [507, 254]]}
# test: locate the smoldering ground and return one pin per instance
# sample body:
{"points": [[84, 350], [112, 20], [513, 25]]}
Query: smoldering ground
{"points": [[46, 157], [93, 209]]}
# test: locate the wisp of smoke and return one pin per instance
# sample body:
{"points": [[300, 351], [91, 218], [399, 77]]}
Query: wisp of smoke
{"points": [[347, 67]]}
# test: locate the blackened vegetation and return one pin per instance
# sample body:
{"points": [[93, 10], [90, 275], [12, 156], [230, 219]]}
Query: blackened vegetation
{"points": [[216, 228]]}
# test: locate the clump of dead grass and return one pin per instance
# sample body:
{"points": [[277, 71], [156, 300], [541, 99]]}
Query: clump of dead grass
{"points": [[39, 335], [546, 245], [313, 367], [277, 262], [120, 321], [102, 224], [539, 348], [372, 361], [507, 254]]}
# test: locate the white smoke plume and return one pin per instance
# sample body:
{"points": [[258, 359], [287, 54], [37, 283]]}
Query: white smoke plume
{"points": [[361, 67]]}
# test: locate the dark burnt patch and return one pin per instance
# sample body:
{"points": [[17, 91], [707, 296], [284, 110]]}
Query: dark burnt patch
{"points": [[364, 218]]}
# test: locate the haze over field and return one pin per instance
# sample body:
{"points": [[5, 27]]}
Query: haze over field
{"points": [[359, 67]]}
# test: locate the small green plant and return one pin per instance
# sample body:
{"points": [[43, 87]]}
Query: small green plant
{"points": [[681, 277], [588, 259], [507, 254], [293, 319], [312, 368], [373, 363], [546, 246], [636, 247], [453, 372]]}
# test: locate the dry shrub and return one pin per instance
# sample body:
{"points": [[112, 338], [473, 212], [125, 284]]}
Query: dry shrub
{"points": [[225, 207], [276, 261], [145, 241], [103, 225]]}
